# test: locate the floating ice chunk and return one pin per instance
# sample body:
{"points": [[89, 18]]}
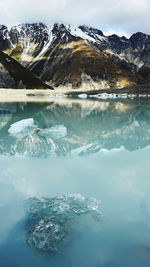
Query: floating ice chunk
{"points": [[143, 95], [132, 95], [58, 95], [122, 95], [56, 132], [50, 219], [105, 96], [22, 128], [82, 96]]}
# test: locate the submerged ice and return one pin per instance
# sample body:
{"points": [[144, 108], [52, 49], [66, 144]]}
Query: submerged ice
{"points": [[51, 219], [22, 128]]}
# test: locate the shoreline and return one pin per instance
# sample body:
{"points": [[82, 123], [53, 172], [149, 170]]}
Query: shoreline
{"points": [[37, 95]]}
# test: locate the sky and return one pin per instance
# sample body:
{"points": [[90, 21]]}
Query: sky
{"points": [[111, 16]]}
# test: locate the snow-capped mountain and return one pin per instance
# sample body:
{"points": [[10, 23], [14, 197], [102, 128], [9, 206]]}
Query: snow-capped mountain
{"points": [[63, 55]]}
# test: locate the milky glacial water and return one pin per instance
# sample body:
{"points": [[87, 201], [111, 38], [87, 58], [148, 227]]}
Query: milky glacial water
{"points": [[79, 166]]}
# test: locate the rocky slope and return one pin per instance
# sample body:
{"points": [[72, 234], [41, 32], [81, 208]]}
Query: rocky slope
{"points": [[14, 75], [81, 57]]}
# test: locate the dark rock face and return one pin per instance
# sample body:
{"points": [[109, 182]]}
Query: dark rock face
{"points": [[118, 44], [139, 40], [61, 54], [38, 32], [4, 42], [14, 75], [91, 31]]}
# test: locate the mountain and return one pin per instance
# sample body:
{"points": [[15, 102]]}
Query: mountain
{"points": [[14, 75], [83, 57]]}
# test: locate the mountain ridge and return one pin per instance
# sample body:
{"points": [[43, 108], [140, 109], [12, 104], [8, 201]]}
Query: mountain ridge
{"points": [[63, 55]]}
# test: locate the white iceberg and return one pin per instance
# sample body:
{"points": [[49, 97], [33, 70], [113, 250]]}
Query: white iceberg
{"points": [[56, 132], [22, 128]]}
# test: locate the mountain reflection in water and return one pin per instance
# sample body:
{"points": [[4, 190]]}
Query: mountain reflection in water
{"points": [[90, 126]]}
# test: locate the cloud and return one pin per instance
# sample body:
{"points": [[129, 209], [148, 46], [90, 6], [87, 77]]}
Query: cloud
{"points": [[110, 15]]}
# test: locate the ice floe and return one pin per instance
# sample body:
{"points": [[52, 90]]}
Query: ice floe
{"points": [[22, 128], [108, 96], [105, 96], [58, 95], [56, 132], [82, 96]]}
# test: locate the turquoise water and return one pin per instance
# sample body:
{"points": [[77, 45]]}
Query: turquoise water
{"points": [[82, 166]]}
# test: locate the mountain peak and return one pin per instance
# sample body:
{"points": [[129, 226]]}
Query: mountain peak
{"points": [[91, 30], [62, 54], [139, 39], [3, 27], [139, 35]]}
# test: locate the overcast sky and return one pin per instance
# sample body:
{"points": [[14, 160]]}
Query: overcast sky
{"points": [[120, 16]]}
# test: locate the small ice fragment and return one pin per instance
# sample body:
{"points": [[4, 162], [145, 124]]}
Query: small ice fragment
{"points": [[56, 132], [82, 96], [58, 95], [22, 128]]}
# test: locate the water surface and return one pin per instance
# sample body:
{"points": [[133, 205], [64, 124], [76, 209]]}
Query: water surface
{"points": [[88, 149]]}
